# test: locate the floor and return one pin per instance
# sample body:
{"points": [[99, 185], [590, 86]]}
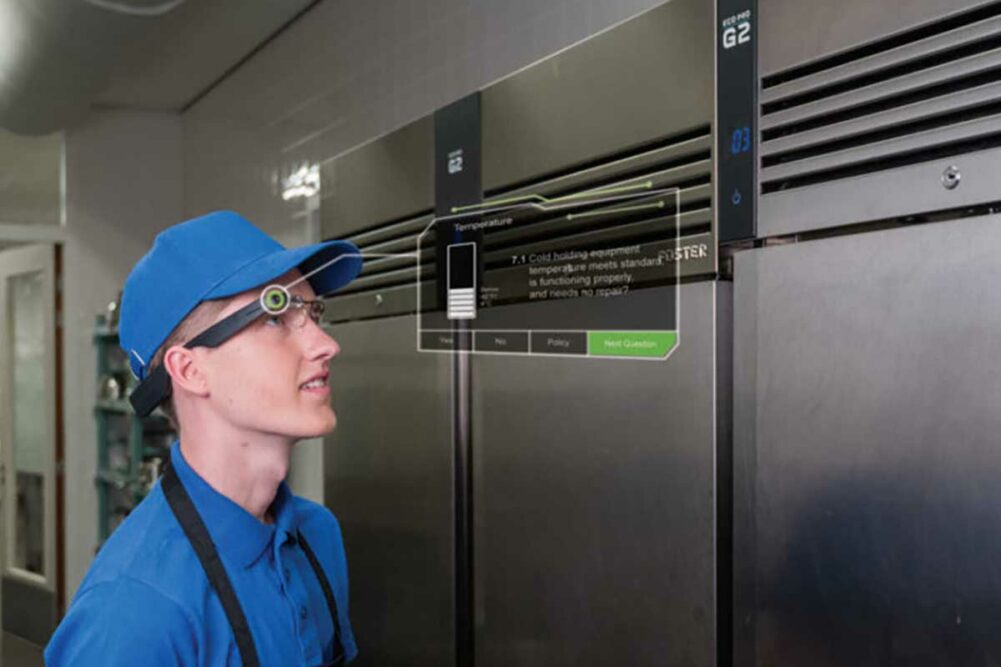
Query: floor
{"points": [[19, 653]]}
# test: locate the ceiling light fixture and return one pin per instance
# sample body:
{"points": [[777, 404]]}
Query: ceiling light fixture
{"points": [[304, 182], [136, 10]]}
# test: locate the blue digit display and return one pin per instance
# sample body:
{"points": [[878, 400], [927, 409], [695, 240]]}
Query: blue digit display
{"points": [[740, 141]]}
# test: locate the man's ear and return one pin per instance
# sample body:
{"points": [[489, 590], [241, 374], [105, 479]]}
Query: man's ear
{"points": [[184, 370]]}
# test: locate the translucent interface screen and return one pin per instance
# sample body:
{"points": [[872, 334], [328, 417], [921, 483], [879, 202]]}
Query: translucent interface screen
{"points": [[560, 275]]}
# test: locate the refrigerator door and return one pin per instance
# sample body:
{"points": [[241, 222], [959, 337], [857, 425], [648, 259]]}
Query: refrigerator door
{"points": [[648, 78], [795, 33], [389, 179], [859, 99], [866, 421], [389, 481], [594, 497]]}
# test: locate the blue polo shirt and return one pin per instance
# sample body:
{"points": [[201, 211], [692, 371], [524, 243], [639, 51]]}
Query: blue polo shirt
{"points": [[147, 601]]}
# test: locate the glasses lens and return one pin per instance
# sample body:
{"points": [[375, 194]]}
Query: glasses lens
{"points": [[316, 310], [300, 309]]}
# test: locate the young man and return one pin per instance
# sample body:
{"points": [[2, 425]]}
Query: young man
{"points": [[220, 564]]}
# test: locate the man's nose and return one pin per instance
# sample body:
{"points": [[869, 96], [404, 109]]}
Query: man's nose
{"points": [[318, 343]]}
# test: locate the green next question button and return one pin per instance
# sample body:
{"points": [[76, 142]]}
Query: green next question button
{"points": [[655, 344]]}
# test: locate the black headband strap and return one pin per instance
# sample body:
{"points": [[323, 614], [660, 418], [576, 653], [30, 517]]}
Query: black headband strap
{"points": [[155, 387]]}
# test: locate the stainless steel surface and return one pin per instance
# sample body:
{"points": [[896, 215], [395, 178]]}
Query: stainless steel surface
{"points": [[593, 481], [908, 82], [381, 303], [384, 273], [744, 385], [724, 473], [386, 179], [686, 198], [865, 440], [865, 142], [463, 497], [655, 70], [387, 238], [690, 180], [896, 146], [936, 44], [796, 31], [409, 260], [887, 119], [646, 160], [912, 81], [594, 505], [355, 204], [389, 481], [368, 283], [394, 273], [917, 189]]}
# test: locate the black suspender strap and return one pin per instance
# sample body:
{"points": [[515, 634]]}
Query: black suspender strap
{"points": [[198, 535], [328, 593]]}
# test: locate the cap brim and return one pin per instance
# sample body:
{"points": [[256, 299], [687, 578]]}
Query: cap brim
{"points": [[333, 264]]}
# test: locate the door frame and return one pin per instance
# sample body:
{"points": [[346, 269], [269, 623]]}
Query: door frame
{"points": [[44, 255]]}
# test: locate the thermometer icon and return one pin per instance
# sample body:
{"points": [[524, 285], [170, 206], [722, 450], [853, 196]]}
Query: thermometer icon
{"points": [[461, 269]]}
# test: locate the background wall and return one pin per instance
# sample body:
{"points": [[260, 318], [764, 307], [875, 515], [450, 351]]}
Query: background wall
{"points": [[123, 185], [348, 72]]}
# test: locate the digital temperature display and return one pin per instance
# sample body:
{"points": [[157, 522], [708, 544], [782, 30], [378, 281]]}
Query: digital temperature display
{"points": [[740, 141]]}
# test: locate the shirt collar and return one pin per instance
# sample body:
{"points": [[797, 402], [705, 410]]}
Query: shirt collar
{"points": [[236, 533]]}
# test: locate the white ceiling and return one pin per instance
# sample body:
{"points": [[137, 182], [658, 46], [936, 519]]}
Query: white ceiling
{"points": [[191, 47], [184, 53]]}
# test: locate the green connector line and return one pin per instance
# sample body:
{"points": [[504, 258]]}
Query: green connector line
{"points": [[555, 200], [621, 209]]}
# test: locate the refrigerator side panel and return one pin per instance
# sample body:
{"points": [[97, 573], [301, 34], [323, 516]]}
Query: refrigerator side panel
{"points": [[389, 481]]}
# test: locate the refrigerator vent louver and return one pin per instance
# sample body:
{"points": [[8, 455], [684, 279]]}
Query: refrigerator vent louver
{"points": [[683, 161], [923, 94]]}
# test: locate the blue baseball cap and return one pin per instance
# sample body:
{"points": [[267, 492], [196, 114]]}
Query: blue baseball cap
{"points": [[212, 257]]}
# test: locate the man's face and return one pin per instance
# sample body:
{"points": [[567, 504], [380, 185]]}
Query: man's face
{"points": [[272, 378]]}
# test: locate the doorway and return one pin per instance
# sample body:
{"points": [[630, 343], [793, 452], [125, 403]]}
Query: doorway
{"points": [[29, 409]]}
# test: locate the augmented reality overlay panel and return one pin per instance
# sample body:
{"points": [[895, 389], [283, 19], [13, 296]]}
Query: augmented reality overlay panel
{"points": [[532, 275]]}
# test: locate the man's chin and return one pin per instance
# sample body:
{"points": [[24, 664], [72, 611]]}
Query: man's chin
{"points": [[307, 423], [321, 428]]}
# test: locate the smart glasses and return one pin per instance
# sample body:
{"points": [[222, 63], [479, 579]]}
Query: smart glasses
{"points": [[275, 302], [298, 311]]}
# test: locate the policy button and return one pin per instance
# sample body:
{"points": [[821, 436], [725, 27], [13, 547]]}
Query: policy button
{"points": [[559, 342]]}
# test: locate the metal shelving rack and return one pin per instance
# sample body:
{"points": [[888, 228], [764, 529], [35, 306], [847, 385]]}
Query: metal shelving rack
{"points": [[127, 446]]}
